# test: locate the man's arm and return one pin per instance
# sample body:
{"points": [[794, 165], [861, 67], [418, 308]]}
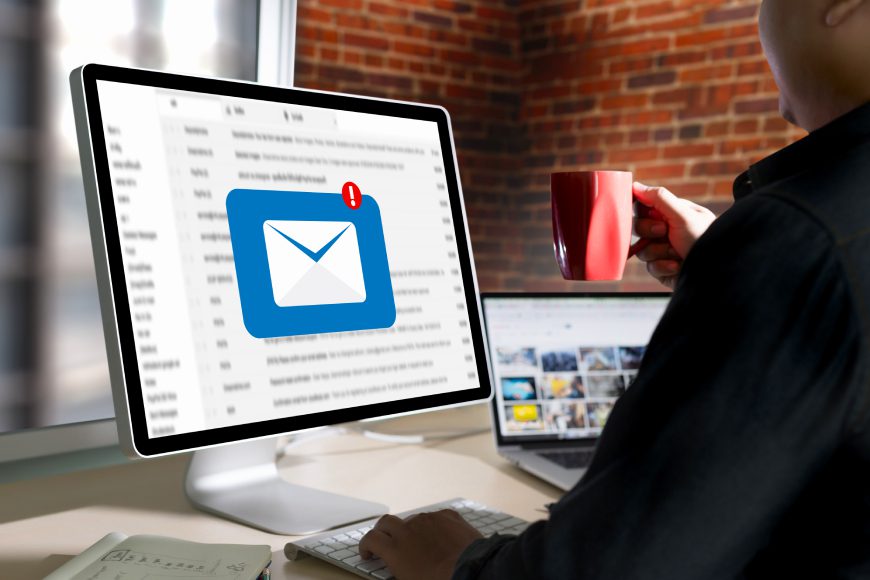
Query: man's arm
{"points": [[745, 390]]}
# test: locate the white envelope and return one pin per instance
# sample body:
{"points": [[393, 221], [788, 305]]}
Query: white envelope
{"points": [[314, 263]]}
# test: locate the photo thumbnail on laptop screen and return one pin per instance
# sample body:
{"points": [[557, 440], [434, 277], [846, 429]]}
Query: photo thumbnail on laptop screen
{"points": [[282, 260], [560, 364]]}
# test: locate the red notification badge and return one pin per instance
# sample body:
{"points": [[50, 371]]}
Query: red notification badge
{"points": [[351, 194]]}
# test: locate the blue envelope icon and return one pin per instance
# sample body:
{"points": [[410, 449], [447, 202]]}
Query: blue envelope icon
{"points": [[306, 263], [314, 262]]}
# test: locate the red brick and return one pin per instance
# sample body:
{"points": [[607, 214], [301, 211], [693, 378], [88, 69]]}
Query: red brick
{"points": [[701, 38], [746, 126], [733, 146], [717, 129], [652, 10], [631, 65], [344, 4], [729, 14], [624, 102], [753, 67], [310, 14], [373, 42], [756, 106], [451, 6], [413, 48], [661, 171], [652, 80], [706, 73], [688, 151], [648, 118], [631, 155]]}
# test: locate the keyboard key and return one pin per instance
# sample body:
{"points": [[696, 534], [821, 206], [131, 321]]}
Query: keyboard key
{"points": [[341, 554], [384, 574], [353, 560], [371, 565], [325, 549], [341, 537]]}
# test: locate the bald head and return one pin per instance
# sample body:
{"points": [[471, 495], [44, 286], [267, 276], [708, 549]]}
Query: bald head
{"points": [[819, 51]]}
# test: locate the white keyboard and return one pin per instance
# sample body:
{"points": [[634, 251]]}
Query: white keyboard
{"points": [[340, 547]]}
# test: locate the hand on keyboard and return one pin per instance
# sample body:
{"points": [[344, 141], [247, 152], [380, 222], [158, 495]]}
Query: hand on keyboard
{"points": [[424, 546]]}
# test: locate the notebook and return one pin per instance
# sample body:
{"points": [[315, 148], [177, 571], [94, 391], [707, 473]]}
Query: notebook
{"points": [[151, 557]]}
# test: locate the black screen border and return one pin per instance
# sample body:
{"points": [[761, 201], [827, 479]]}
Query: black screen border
{"points": [[148, 446]]}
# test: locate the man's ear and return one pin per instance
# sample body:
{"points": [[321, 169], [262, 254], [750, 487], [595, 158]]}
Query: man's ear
{"points": [[839, 10]]}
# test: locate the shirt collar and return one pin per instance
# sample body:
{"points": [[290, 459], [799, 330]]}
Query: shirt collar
{"points": [[818, 147]]}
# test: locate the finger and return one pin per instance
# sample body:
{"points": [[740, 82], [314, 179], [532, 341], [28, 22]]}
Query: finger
{"points": [[658, 198], [656, 251], [450, 513], [377, 543], [663, 268], [650, 228], [389, 524], [643, 211]]}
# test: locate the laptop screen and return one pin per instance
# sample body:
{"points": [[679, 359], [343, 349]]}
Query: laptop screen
{"points": [[560, 361]]}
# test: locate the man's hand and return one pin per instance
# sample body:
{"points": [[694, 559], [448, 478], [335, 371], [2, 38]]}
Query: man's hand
{"points": [[422, 547], [672, 225]]}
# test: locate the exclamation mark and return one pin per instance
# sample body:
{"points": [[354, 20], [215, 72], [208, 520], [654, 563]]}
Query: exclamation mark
{"points": [[351, 195]]}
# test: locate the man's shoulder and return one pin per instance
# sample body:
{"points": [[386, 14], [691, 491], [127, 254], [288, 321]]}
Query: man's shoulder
{"points": [[835, 195]]}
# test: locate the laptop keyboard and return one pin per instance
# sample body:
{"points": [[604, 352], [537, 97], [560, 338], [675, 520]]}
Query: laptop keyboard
{"points": [[573, 459], [341, 547]]}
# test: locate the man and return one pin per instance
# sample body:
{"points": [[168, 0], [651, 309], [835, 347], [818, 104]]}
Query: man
{"points": [[743, 448]]}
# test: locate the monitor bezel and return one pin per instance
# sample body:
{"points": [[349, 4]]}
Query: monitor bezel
{"points": [[533, 440], [130, 393]]}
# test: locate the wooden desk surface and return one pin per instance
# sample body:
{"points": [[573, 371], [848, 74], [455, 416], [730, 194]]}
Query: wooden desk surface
{"points": [[43, 522]]}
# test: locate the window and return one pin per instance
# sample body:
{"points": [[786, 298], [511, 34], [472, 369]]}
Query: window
{"points": [[52, 356]]}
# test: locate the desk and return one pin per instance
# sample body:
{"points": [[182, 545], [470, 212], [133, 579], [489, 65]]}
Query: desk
{"points": [[45, 521]]}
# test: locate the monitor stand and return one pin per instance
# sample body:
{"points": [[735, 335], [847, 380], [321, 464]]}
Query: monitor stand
{"points": [[241, 482]]}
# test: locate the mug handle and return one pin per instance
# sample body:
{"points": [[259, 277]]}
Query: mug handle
{"points": [[638, 246], [640, 211]]}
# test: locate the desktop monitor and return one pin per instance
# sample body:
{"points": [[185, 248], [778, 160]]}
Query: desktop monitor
{"points": [[271, 260]]}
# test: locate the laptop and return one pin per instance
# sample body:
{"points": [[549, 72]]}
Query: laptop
{"points": [[559, 362]]}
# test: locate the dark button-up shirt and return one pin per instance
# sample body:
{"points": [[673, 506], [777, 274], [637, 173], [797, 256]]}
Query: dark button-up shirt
{"points": [[742, 450]]}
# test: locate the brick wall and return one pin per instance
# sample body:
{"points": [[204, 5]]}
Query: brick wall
{"points": [[675, 90]]}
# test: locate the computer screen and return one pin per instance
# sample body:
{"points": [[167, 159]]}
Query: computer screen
{"points": [[560, 362], [278, 258]]}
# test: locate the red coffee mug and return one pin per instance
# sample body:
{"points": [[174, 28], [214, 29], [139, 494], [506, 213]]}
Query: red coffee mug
{"points": [[592, 223]]}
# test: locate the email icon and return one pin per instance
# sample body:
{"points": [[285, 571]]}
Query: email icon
{"points": [[314, 263], [306, 263]]}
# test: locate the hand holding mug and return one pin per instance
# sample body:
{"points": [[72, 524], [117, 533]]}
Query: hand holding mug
{"points": [[671, 226]]}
